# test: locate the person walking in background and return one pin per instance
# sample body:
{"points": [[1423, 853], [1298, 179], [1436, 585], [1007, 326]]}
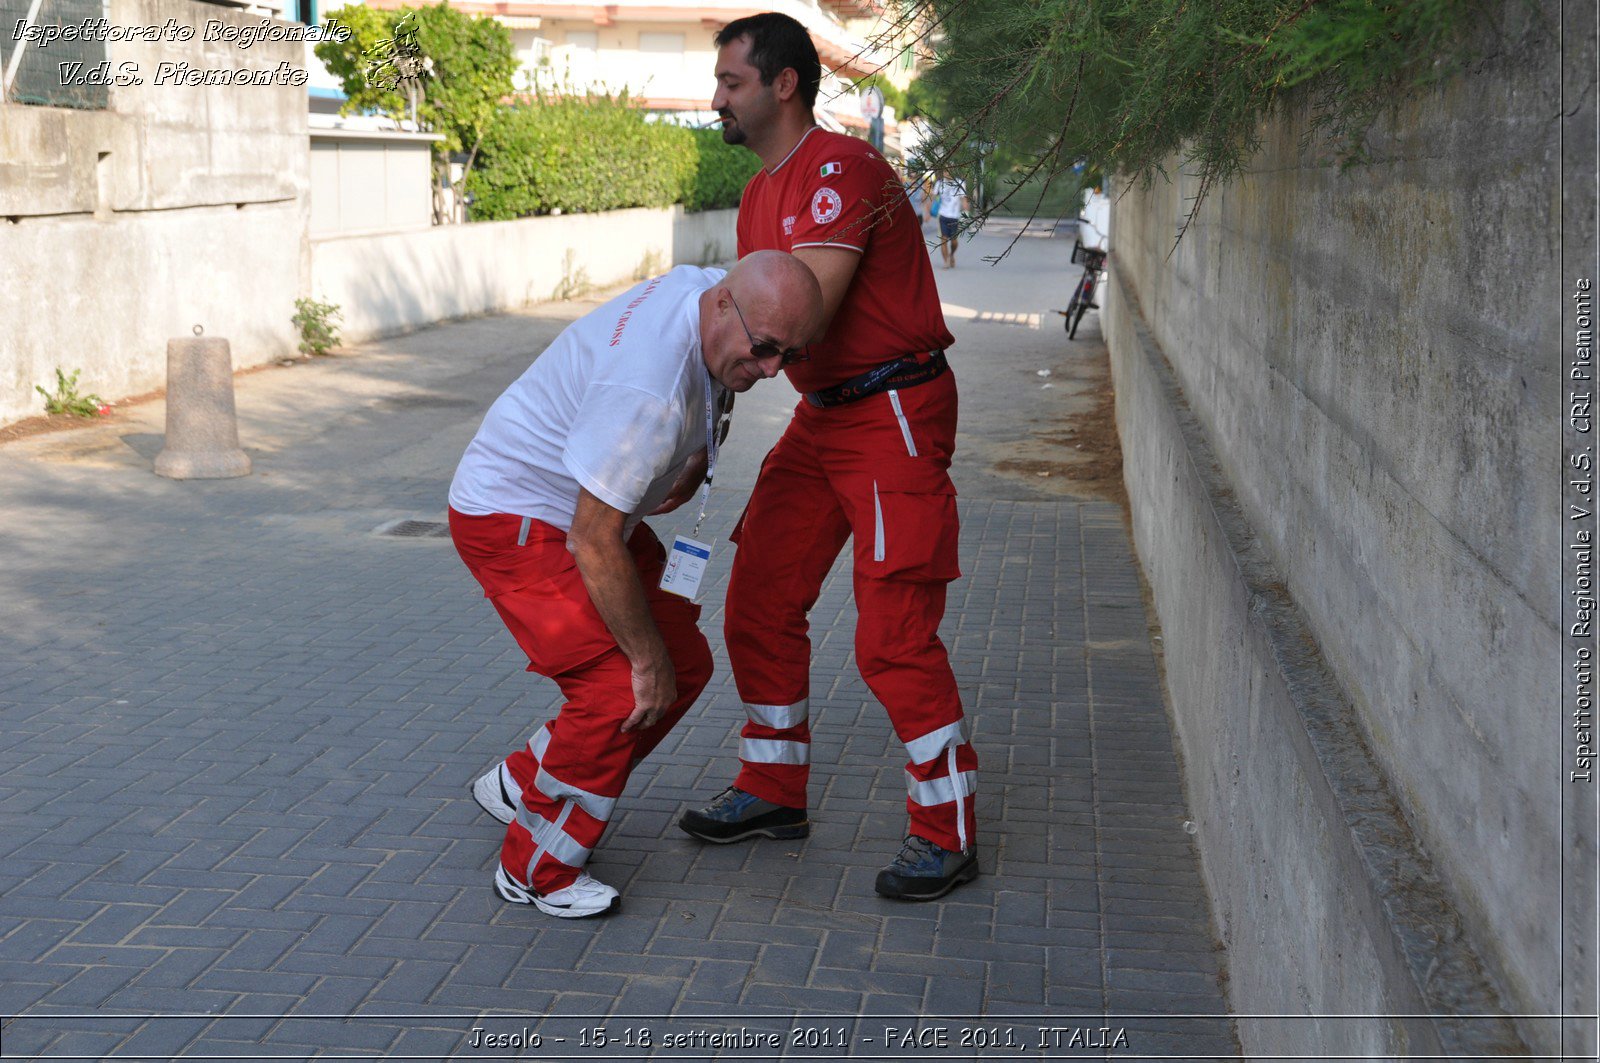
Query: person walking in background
{"points": [[952, 197], [916, 186]]}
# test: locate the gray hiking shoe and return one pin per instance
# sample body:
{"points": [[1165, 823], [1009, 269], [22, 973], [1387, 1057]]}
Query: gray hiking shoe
{"points": [[924, 872], [736, 815]]}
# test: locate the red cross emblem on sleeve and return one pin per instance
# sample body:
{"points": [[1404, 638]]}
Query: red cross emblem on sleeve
{"points": [[825, 205]]}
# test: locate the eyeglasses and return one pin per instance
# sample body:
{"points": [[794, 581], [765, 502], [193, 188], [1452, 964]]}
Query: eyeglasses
{"points": [[766, 348]]}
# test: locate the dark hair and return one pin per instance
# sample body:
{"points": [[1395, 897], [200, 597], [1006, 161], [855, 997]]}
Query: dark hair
{"points": [[777, 42]]}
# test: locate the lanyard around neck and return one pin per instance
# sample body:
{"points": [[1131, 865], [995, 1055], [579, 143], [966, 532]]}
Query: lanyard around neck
{"points": [[713, 442]]}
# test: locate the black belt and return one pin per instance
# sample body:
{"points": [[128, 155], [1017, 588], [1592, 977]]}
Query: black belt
{"points": [[897, 375]]}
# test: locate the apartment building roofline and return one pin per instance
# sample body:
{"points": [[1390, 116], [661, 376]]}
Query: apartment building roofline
{"points": [[839, 51]]}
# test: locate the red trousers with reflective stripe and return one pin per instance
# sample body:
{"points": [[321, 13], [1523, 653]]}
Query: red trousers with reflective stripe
{"points": [[876, 470], [575, 767]]}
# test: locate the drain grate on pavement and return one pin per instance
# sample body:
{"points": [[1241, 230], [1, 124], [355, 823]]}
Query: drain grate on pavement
{"points": [[406, 528]]}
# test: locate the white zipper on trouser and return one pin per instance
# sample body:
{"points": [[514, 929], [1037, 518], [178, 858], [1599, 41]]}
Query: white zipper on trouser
{"points": [[905, 427], [961, 811], [877, 524]]}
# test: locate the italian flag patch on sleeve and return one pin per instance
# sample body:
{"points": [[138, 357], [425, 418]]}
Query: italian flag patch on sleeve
{"points": [[830, 168]]}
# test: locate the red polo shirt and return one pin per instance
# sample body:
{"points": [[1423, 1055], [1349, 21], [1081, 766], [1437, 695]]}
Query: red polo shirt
{"points": [[836, 191]]}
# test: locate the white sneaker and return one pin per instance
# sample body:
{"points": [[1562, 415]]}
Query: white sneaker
{"points": [[498, 793], [586, 897]]}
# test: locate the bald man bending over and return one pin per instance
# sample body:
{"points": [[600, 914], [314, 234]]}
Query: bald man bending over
{"points": [[616, 420]]}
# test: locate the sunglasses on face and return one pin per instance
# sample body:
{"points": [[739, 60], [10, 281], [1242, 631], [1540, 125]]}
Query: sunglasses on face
{"points": [[766, 348]]}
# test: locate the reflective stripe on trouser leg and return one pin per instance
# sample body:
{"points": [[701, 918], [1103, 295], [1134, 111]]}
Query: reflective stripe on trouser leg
{"points": [[777, 734], [775, 747], [939, 791], [779, 717], [550, 839], [923, 749], [598, 806], [956, 788], [524, 764], [557, 823], [774, 751], [961, 791], [539, 742]]}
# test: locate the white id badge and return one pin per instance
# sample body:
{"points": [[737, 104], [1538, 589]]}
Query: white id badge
{"points": [[686, 565]]}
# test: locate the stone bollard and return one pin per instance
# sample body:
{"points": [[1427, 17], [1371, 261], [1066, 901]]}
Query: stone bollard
{"points": [[202, 429]]}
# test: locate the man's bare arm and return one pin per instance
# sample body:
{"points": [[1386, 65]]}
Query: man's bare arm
{"points": [[835, 268], [595, 542]]}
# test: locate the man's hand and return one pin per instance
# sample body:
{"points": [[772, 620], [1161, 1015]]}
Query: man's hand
{"points": [[655, 688], [687, 483], [595, 542]]}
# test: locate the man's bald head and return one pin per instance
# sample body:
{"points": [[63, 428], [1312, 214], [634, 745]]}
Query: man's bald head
{"points": [[780, 290], [769, 301]]}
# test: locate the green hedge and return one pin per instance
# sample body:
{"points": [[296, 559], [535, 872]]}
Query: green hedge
{"points": [[581, 154], [721, 171]]}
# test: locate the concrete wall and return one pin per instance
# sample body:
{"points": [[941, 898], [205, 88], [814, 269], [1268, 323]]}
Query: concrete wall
{"points": [[1371, 362], [176, 206], [394, 282]]}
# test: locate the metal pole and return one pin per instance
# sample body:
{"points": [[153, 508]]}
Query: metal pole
{"points": [[16, 56]]}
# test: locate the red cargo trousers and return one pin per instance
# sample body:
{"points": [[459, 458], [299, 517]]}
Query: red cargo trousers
{"points": [[574, 768], [876, 469]]}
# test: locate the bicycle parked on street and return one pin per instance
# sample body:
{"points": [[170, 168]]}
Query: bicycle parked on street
{"points": [[1093, 260]]}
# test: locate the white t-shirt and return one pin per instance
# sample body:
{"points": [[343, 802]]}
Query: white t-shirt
{"points": [[616, 406], [1097, 213], [949, 193]]}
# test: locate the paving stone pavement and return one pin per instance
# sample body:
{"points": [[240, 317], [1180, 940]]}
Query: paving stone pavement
{"points": [[237, 727]]}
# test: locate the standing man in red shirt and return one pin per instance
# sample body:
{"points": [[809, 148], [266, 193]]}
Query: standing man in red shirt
{"points": [[867, 455]]}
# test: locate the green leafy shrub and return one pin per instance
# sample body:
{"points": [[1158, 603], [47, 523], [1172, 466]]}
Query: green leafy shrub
{"points": [[578, 153], [315, 320], [67, 400], [721, 171]]}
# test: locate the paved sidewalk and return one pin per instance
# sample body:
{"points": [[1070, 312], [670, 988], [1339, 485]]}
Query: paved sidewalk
{"points": [[237, 727]]}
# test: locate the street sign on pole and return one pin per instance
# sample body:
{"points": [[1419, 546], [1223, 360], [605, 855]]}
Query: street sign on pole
{"points": [[872, 111], [872, 103]]}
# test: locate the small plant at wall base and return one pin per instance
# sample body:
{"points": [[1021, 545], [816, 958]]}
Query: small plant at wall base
{"points": [[67, 400], [318, 333], [575, 281], [652, 263]]}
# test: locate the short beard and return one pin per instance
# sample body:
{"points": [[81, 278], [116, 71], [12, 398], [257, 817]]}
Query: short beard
{"points": [[732, 133]]}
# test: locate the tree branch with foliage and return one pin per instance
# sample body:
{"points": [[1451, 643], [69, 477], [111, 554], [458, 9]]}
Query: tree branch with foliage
{"points": [[465, 73], [1068, 89]]}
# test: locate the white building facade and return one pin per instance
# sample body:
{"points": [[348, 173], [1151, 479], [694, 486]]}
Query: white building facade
{"points": [[660, 52]]}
